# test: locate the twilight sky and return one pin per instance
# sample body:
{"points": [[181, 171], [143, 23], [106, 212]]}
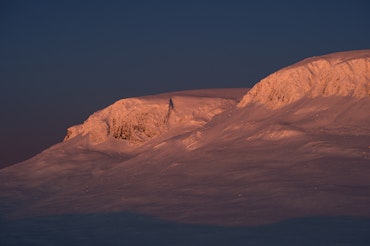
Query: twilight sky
{"points": [[60, 61]]}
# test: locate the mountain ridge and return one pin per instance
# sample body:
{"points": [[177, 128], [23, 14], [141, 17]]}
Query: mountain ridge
{"points": [[343, 74]]}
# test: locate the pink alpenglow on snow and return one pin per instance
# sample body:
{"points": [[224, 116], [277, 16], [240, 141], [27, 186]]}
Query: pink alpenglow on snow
{"points": [[139, 119], [295, 145], [338, 74]]}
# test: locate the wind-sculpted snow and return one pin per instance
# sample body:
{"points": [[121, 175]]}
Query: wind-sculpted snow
{"points": [[338, 74], [128, 119], [137, 120]]}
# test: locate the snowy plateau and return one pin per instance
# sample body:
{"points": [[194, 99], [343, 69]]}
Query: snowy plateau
{"points": [[291, 153]]}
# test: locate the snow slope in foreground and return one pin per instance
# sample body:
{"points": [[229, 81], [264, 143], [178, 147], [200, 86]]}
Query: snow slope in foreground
{"points": [[206, 160]]}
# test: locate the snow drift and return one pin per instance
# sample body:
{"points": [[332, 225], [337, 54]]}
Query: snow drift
{"points": [[338, 74]]}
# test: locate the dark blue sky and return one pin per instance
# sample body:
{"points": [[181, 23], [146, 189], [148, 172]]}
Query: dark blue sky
{"points": [[62, 60]]}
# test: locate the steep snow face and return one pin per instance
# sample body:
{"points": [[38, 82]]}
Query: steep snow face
{"points": [[136, 120], [128, 119], [338, 74]]}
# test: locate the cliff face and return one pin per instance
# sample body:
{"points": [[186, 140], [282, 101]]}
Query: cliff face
{"points": [[338, 74]]}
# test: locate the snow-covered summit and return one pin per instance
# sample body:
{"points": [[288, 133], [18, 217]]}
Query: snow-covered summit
{"points": [[337, 74], [137, 120]]}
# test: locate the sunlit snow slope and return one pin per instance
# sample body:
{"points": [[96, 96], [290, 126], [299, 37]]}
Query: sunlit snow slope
{"points": [[339, 74], [295, 145], [138, 120]]}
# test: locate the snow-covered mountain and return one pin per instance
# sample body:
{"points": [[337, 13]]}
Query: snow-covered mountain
{"points": [[318, 81], [296, 145], [140, 119], [338, 74]]}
